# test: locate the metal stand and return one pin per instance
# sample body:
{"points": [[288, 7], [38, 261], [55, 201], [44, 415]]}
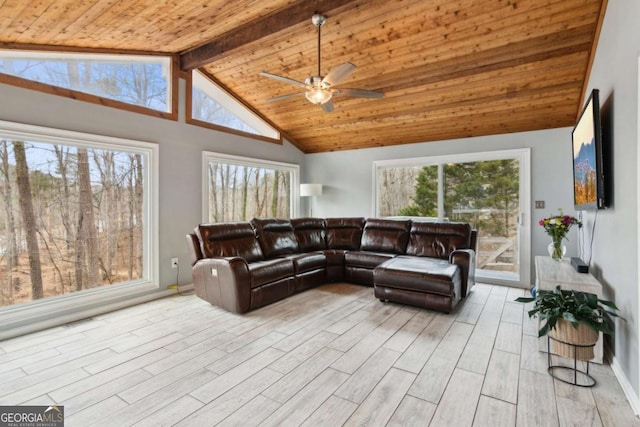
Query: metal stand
{"points": [[587, 380]]}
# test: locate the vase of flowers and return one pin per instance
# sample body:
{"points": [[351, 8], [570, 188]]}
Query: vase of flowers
{"points": [[556, 249], [557, 228]]}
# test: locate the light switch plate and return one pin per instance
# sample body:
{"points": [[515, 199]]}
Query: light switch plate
{"points": [[539, 204]]}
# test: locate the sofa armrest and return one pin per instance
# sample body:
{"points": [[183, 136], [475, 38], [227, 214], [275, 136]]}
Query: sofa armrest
{"points": [[466, 260], [193, 246], [224, 282]]}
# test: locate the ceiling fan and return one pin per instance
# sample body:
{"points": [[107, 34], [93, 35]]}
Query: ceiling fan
{"points": [[318, 89]]}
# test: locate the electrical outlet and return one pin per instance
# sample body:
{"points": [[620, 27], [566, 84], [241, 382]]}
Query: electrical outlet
{"points": [[174, 262], [539, 204]]}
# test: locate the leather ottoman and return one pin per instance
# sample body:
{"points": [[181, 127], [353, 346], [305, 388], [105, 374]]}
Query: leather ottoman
{"points": [[420, 281]]}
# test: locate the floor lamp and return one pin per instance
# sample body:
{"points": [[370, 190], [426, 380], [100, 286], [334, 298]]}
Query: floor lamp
{"points": [[310, 190]]}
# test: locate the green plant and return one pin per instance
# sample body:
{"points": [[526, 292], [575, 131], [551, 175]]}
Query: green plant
{"points": [[573, 306]]}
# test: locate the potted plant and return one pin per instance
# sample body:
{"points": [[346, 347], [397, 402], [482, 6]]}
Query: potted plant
{"points": [[572, 317]]}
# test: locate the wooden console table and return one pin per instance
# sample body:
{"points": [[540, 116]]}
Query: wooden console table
{"points": [[550, 273]]}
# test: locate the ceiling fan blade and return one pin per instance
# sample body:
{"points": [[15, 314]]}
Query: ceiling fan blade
{"points": [[360, 93], [339, 73], [282, 79], [327, 106], [282, 97]]}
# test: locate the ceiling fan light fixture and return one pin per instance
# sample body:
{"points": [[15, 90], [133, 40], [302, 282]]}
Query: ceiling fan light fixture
{"points": [[318, 95], [318, 92]]}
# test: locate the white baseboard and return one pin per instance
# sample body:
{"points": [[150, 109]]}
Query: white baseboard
{"points": [[628, 390], [185, 288]]}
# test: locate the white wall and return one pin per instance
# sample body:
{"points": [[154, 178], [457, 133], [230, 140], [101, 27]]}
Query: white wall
{"points": [[348, 187], [615, 252], [181, 147]]}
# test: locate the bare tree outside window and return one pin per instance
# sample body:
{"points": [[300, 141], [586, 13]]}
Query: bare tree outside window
{"points": [[28, 218], [209, 110], [239, 193], [212, 104], [141, 81], [75, 215]]}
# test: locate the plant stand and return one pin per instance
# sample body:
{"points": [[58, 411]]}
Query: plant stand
{"points": [[587, 380], [550, 273]]}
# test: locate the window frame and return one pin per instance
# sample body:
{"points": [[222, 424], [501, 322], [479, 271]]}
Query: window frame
{"points": [[210, 156], [524, 157], [172, 89], [232, 98], [52, 308]]}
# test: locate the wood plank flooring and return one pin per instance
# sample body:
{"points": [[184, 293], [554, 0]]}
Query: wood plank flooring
{"points": [[330, 356]]}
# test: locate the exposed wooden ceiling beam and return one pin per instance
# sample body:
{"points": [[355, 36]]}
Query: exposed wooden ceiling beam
{"points": [[255, 30]]}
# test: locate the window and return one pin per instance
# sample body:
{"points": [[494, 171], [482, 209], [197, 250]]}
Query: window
{"points": [[76, 213], [240, 188], [142, 81], [487, 190], [212, 105]]}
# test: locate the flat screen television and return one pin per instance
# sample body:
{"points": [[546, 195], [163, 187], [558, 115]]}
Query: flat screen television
{"points": [[589, 191]]}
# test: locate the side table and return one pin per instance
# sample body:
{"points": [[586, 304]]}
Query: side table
{"points": [[550, 273]]}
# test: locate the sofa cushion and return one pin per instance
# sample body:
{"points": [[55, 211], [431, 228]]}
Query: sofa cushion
{"points": [[438, 240], [270, 270], [365, 259], [303, 263], [344, 233], [385, 235], [276, 236], [310, 234], [229, 240]]}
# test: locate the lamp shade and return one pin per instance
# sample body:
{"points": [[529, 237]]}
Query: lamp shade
{"points": [[310, 190]]}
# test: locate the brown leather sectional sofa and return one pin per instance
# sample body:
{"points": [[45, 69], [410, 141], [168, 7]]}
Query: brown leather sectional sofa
{"points": [[243, 266]]}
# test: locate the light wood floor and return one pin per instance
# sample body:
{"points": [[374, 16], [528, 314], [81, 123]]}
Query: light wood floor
{"points": [[331, 356]]}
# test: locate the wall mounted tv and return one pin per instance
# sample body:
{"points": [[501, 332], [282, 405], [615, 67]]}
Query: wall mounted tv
{"points": [[589, 190]]}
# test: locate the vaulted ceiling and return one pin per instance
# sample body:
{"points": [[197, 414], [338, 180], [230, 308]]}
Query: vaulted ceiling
{"points": [[447, 68]]}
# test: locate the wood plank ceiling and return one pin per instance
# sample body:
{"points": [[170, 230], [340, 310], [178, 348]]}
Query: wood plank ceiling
{"points": [[448, 69]]}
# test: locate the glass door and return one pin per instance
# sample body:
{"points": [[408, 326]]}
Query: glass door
{"points": [[486, 194], [488, 190]]}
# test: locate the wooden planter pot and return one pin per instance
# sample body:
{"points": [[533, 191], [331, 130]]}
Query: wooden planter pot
{"points": [[582, 335]]}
